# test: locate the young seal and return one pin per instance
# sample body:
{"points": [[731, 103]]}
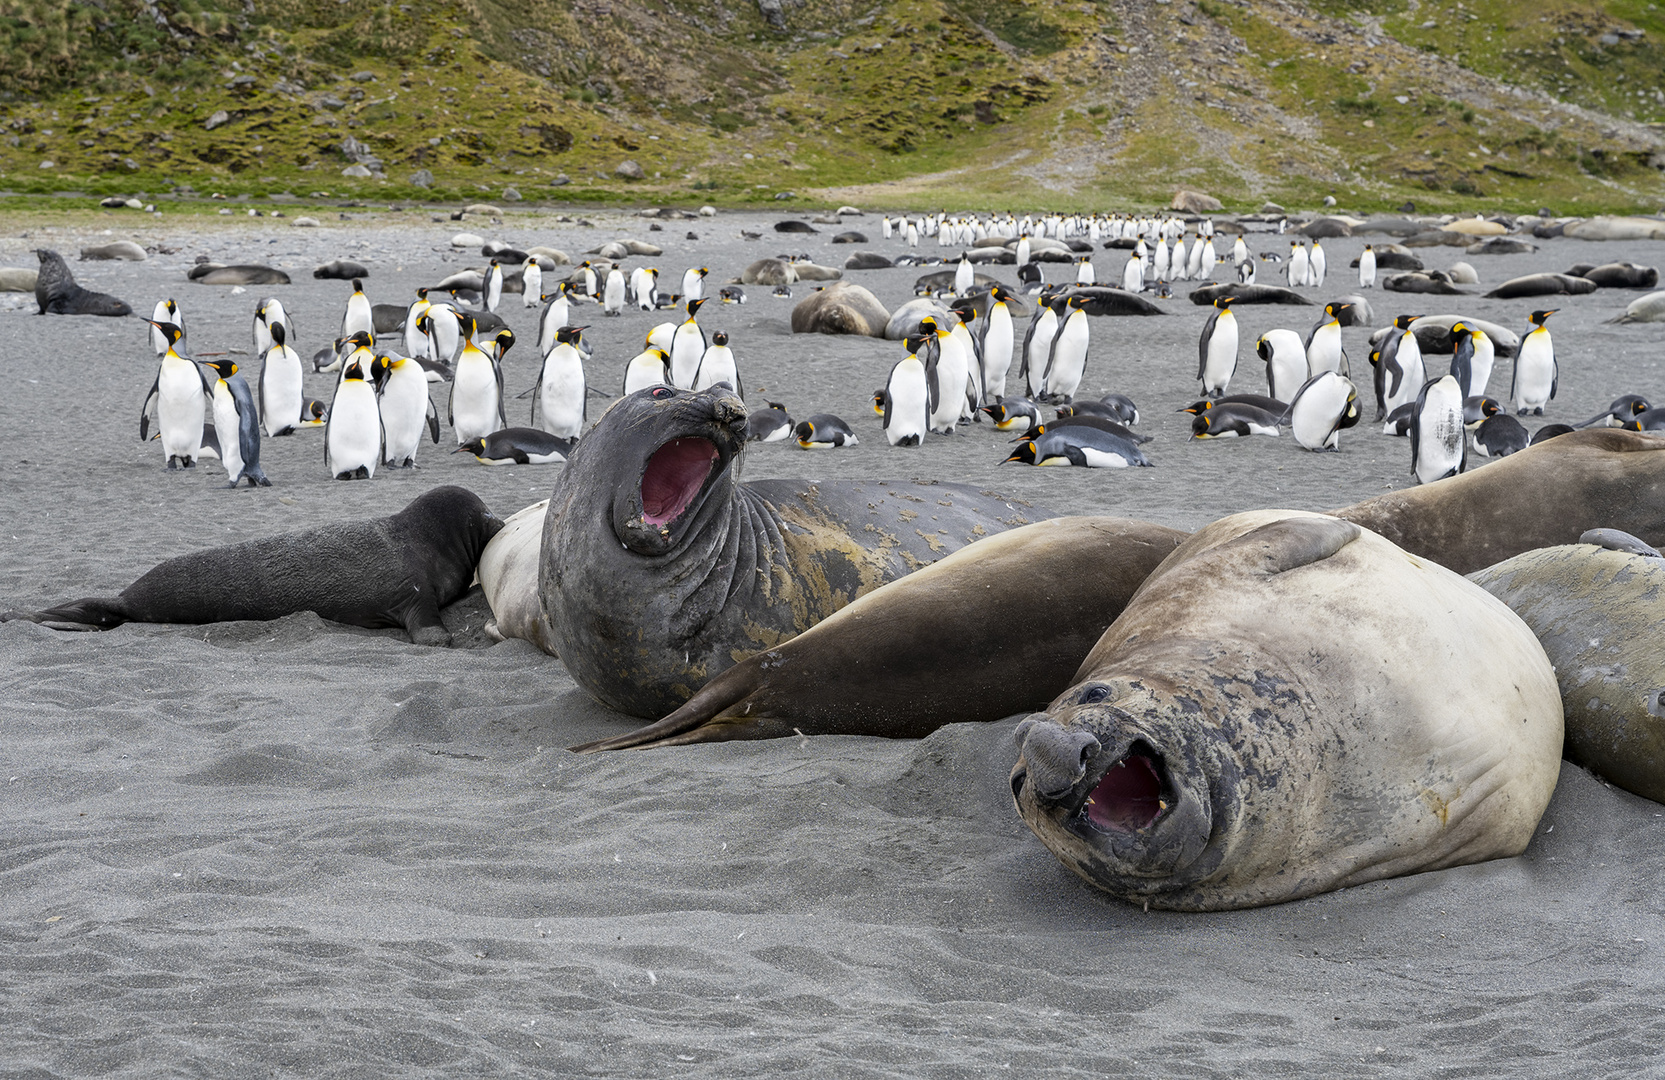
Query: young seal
{"points": [[57, 293], [1596, 607], [660, 570], [396, 571], [1238, 737], [1075, 573], [1547, 494]]}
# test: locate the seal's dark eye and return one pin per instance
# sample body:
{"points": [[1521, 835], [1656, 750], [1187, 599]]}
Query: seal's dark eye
{"points": [[1095, 695], [662, 392]]}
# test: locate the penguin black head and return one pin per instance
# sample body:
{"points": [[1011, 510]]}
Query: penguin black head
{"points": [[928, 326], [1223, 302], [1404, 322], [472, 446], [879, 397], [1197, 408], [314, 412], [355, 370], [999, 294], [362, 339], [1025, 453], [1538, 317], [169, 330], [570, 335], [719, 338], [805, 433], [278, 334], [422, 292], [1199, 427], [693, 307], [424, 323], [505, 340], [358, 286], [224, 366]]}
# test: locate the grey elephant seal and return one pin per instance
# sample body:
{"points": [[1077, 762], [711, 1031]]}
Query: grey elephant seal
{"points": [[1623, 275], [1597, 609], [1433, 284], [1542, 285], [18, 279], [341, 270], [768, 272], [396, 571], [660, 571], [867, 260], [904, 321], [840, 308], [1546, 495], [120, 250], [1247, 294], [1649, 308], [1616, 228], [1077, 572], [1326, 228], [1238, 738], [56, 292], [808, 271], [216, 274], [1103, 300]]}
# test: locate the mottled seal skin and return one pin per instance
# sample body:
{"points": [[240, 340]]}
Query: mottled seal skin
{"points": [[659, 570], [1075, 575], [840, 308], [396, 571], [1599, 614], [57, 293], [1545, 495], [1289, 705], [1248, 294]]}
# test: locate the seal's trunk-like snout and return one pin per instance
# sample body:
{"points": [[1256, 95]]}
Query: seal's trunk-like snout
{"points": [[1055, 757]]}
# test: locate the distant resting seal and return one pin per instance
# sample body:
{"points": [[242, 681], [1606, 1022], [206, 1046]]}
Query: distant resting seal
{"points": [[904, 321], [808, 271], [795, 227], [124, 250], [1543, 496], [1391, 226], [1542, 285], [1598, 612], [1623, 275], [396, 571], [1247, 294], [1649, 308], [986, 256], [944, 279], [341, 270], [850, 238], [1417, 282], [1501, 245], [1237, 738], [867, 260], [18, 279], [387, 318], [1326, 228], [1393, 260], [215, 274], [57, 293], [1076, 573], [1616, 228], [840, 308], [768, 272], [1104, 300], [659, 570]]}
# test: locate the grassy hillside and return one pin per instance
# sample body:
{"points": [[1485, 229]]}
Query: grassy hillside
{"points": [[1067, 103]]}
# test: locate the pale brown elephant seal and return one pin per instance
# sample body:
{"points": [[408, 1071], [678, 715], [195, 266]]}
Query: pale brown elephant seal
{"points": [[1290, 704], [1546, 495], [840, 308], [869, 670], [1598, 609]]}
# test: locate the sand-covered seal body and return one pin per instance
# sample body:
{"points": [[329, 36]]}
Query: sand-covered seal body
{"points": [[1599, 614], [396, 571], [873, 669], [1289, 705], [1546, 495], [56, 292], [659, 570]]}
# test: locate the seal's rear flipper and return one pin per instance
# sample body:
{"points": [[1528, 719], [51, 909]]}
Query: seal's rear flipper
{"points": [[92, 613], [718, 713]]}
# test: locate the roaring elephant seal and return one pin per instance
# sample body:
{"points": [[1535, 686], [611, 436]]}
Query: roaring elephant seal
{"points": [[1247, 294], [1598, 608], [840, 308], [1543, 496], [1542, 285], [1290, 704], [659, 570], [396, 571], [57, 293], [1076, 573]]}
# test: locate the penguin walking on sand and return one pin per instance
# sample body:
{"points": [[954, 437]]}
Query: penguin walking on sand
{"points": [[693, 283], [167, 311], [267, 314], [1066, 362], [1316, 265], [1472, 359], [531, 282], [687, 346], [1323, 406], [718, 365], [1286, 362], [612, 297], [1324, 347], [1217, 349], [353, 432], [909, 396], [358, 316], [1401, 365], [1298, 265], [491, 289], [997, 341], [964, 277], [562, 391], [476, 404], [405, 407], [236, 425], [281, 399], [180, 394], [1536, 374], [650, 367], [1439, 443], [1367, 268]]}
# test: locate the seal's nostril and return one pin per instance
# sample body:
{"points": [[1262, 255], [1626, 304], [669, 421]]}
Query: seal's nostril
{"points": [[1018, 777]]}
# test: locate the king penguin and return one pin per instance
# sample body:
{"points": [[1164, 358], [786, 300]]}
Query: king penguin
{"points": [[556, 314], [964, 277], [650, 367], [167, 311], [1286, 362], [180, 393], [997, 343], [1037, 344], [1323, 344], [491, 289], [1323, 406], [1536, 374], [718, 365], [281, 398], [1439, 443], [405, 407], [1217, 349], [358, 316], [562, 390], [687, 346], [267, 314], [1367, 268], [693, 282], [612, 297], [236, 425], [476, 406], [1066, 362], [1401, 365], [353, 432], [1316, 265], [909, 401], [531, 282], [1471, 360]]}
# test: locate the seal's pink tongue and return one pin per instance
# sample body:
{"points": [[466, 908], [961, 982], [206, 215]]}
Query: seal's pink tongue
{"points": [[674, 476], [1128, 798]]}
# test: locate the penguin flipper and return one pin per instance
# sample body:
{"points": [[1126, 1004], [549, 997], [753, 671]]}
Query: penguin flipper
{"points": [[1202, 342], [144, 409], [433, 421]]}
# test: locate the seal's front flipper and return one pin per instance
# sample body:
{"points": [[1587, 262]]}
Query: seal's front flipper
{"points": [[718, 713], [1295, 542]]}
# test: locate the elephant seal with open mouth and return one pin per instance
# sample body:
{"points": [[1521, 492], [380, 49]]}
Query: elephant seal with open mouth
{"points": [[1291, 704], [659, 569]]}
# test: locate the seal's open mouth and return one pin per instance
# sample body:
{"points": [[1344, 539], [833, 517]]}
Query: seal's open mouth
{"points": [[1131, 796], [674, 476]]}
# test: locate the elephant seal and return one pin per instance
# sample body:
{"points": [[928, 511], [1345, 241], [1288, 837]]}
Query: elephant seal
{"points": [[808, 271], [396, 571], [1616, 228], [904, 321], [768, 272], [1238, 737], [508, 573], [1597, 612], [1393, 260], [982, 256], [1103, 300], [1076, 573], [216, 274], [867, 260], [851, 237], [1326, 228], [1461, 273], [1623, 275], [795, 227], [943, 281], [121, 250], [341, 270], [1501, 245], [18, 279], [1545, 495], [1542, 285], [1247, 294], [1643, 309], [1418, 282], [660, 571], [1398, 226], [57, 293], [840, 308]]}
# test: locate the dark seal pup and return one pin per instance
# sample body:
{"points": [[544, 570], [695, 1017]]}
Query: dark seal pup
{"points": [[57, 293], [659, 570], [395, 571]]}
